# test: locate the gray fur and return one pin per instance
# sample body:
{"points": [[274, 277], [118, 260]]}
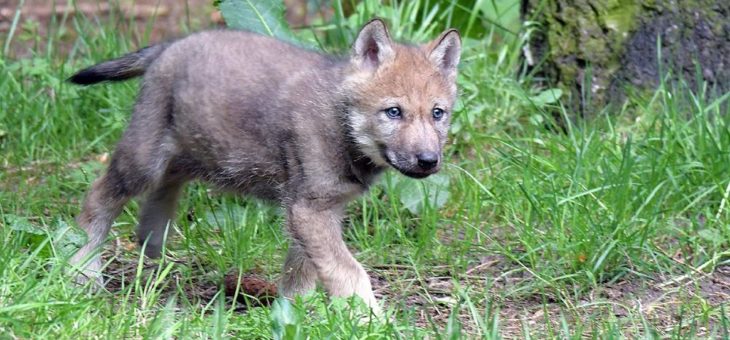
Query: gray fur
{"points": [[129, 66], [270, 120]]}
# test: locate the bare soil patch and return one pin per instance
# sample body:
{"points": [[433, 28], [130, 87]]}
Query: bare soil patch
{"points": [[662, 303], [493, 285]]}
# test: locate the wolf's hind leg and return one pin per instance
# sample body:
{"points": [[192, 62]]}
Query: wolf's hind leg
{"points": [[103, 204], [157, 211], [129, 174], [138, 164]]}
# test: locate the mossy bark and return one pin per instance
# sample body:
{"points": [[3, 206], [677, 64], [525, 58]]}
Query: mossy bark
{"points": [[595, 49]]}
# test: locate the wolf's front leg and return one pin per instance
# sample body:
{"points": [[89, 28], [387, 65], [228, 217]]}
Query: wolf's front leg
{"points": [[299, 275], [318, 230]]}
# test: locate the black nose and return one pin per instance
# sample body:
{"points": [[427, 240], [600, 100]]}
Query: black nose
{"points": [[427, 160]]}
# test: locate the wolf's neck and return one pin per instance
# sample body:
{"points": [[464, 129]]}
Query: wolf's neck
{"points": [[362, 169]]}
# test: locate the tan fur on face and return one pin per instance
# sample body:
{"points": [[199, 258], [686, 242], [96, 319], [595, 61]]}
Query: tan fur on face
{"points": [[413, 83]]}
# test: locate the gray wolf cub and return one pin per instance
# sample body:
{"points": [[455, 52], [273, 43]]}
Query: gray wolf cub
{"points": [[264, 118]]}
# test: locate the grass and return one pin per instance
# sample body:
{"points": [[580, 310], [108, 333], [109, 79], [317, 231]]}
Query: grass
{"points": [[617, 227]]}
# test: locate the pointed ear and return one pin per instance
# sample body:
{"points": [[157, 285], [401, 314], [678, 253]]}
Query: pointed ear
{"points": [[445, 52], [372, 47]]}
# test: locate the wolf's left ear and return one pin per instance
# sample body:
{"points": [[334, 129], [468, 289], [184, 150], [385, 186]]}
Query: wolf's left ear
{"points": [[445, 52], [373, 46]]}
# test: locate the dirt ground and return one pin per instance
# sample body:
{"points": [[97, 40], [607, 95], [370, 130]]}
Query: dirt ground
{"points": [[431, 294]]}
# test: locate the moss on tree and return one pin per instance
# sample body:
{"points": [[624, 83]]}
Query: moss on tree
{"points": [[593, 49]]}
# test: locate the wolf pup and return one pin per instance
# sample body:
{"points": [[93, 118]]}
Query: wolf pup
{"points": [[263, 118]]}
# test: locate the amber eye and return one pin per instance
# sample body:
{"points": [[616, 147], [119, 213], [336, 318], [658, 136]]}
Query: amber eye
{"points": [[393, 112], [437, 113]]}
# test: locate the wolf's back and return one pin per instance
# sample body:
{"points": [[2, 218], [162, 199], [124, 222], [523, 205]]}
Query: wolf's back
{"points": [[128, 66]]}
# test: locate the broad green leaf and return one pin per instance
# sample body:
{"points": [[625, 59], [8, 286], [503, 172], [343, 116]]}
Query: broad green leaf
{"points": [[19, 223], [260, 16], [505, 14], [433, 190], [549, 96], [67, 239], [284, 320]]}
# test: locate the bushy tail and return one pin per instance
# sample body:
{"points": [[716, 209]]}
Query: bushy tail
{"points": [[126, 67]]}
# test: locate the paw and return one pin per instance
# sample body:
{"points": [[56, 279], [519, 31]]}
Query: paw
{"points": [[87, 274]]}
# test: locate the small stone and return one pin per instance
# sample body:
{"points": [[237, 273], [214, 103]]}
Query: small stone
{"points": [[708, 74]]}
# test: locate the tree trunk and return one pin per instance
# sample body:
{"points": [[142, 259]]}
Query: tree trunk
{"points": [[597, 49]]}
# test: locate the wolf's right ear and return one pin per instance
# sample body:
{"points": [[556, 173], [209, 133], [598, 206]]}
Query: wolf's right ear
{"points": [[445, 52], [373, 46]]}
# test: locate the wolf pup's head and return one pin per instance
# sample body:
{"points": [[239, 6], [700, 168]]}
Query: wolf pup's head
{"points": [[402, 97]]}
